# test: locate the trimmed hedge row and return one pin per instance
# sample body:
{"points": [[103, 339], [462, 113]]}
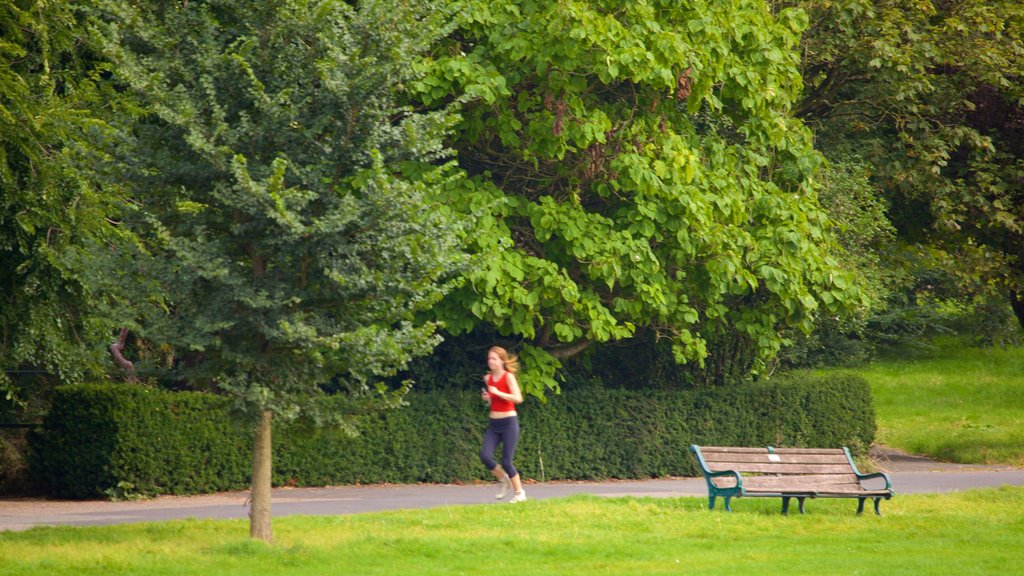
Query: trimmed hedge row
{"points": [[118, 440], [99, 439]]}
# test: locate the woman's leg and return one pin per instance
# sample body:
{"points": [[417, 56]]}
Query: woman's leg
{"points": [[510, 441], [491, 439]]}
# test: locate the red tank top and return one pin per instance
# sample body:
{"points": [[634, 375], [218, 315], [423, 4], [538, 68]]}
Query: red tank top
{"points": [[500, 404]]}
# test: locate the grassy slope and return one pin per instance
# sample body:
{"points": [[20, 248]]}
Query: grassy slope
{"points": [[956, 404]]}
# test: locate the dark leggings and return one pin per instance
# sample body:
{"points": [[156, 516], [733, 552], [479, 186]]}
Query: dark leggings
{"points": [[505, 431]]}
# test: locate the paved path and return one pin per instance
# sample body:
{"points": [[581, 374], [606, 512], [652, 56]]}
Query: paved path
{"points": [[910, 475]]}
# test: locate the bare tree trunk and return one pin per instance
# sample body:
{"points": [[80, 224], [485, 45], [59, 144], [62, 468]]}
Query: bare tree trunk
{"points": [[117, 351], [259, 506]]}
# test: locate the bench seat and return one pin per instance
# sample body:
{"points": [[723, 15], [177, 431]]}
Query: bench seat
{"points": [[801, 473]]}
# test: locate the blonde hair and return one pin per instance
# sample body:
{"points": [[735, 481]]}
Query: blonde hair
{"points": [[510, 361]]}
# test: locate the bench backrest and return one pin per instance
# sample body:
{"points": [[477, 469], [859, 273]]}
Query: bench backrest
{"points": [[770, 460]]}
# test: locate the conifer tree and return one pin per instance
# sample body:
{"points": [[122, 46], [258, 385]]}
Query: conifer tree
{"points": [[282, 197]]}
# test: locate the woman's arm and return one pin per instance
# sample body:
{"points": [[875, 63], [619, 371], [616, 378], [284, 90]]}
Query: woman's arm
{"points": [[515, 395]]}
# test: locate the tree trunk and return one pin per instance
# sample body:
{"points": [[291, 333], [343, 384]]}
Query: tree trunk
{"points": [[117, 351], [1018, 306], [259, 499]]}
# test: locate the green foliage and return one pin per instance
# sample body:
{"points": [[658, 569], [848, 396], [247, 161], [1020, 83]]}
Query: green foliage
{"points": [[985, 321], [635, 165], [930, 95], [100, 439], [285, 202], [50, 206], [863, 232], [867, 247]]}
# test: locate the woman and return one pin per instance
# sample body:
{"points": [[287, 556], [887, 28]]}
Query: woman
{"points": [[503, 393]]}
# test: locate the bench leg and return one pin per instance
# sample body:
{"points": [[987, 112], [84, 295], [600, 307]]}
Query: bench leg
{"points": [[711, 502], [785, 505], [801, 499], [860, 506], [728, 508]]}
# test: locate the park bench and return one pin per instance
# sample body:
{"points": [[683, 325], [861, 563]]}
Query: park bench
{"points": [[786, 473]]}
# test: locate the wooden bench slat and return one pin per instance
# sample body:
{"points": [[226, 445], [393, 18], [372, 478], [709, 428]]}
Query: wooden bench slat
{"points": [[705, 450], [788, 458], [809, 482], [781, 468], [809, 487]]}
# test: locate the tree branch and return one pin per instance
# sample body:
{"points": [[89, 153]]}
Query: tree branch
{"points": [[563, 352], [117, 351]]}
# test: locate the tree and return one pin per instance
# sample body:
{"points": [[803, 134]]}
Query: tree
{"points": [[635, 164], [865, 238], [50, 207], [930, 95], [284, 200]]}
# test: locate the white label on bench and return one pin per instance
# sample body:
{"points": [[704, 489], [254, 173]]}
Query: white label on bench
{"points": [[774, 458]]}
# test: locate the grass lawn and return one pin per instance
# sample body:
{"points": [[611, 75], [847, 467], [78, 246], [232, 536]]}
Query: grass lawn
{"points": [[975, 532], [956, 404]]}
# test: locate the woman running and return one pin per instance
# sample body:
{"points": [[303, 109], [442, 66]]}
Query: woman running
{"points": [[503, 393]]}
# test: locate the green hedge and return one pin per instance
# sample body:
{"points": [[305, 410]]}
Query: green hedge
{"points": [[99, 439], [116, 440]]}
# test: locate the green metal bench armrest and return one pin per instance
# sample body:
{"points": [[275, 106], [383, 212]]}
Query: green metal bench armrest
{"points": [[739, 479], [888, 481], [708, 475]]}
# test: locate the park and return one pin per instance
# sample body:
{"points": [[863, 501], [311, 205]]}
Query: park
{"points": [[261, 251]]}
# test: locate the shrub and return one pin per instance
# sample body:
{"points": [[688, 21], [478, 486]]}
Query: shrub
{"points": [[100, 438]]}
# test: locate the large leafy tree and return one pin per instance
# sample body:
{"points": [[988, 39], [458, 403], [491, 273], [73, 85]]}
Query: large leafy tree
{"points": [[931, 96], [50, 206], [282, 249], [635, 164]]}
